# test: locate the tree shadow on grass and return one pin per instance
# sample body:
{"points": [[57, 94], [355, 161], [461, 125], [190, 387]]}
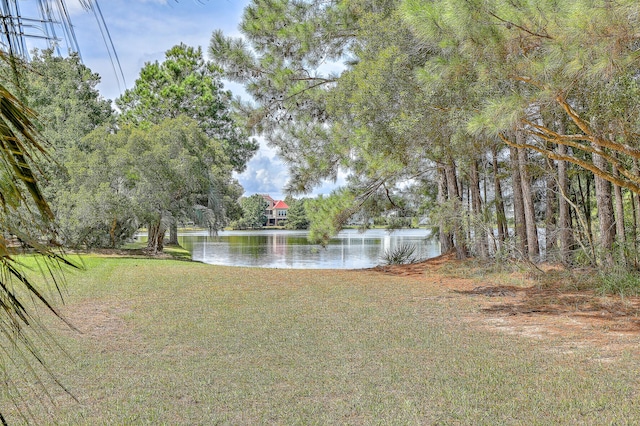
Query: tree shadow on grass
{"points": [[174, 252]]}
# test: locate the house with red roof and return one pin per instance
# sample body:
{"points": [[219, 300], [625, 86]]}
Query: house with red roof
{"points": [[276, 211]]}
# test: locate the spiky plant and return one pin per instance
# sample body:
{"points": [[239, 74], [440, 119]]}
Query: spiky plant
{"points": [[400, 255]]}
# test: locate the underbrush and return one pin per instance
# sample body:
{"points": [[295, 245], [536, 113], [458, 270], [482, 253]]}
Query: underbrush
{"points": [[498, 272], [618, 281]]}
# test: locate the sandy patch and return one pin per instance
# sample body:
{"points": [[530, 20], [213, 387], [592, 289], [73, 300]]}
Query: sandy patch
{"points": [[567, 319]]}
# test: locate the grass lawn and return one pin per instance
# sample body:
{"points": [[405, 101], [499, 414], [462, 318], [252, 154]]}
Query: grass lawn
{"points": [[174, 342]]}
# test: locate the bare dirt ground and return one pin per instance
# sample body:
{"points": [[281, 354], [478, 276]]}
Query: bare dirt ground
{"points": [[541, 306]]}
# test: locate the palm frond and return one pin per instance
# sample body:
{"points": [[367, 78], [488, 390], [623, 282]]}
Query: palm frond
{"points": [[18, 139], [26, 227]]}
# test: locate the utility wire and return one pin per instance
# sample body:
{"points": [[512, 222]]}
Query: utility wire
{"points": [[15, 29]]}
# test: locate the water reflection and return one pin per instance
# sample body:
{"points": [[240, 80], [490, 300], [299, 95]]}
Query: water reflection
{"points": [[290, 249]]}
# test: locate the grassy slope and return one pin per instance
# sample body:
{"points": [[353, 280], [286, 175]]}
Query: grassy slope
{"points": [[184, 343]]}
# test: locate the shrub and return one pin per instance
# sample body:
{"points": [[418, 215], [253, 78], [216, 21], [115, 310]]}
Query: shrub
{"points": [[619, 281], [401, 255]]}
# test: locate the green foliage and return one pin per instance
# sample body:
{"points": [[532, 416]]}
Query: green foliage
{"points": [[380, 221], [96, 207], [524, 64], [618, 281], [399, 223], [279, 60], [297, 217], [253, 216], [103, 186], [185, 83], [378, 104], [64, 94], [62, 91], [121, 179], [369, 118], [327, 215]]}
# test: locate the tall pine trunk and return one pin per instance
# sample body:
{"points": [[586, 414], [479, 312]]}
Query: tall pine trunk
{"points": [[173, 233], [585, 202], [454, 196], [551, 234], [479, 230], [619, 218], [112, 232], [518, 204], [635, 197], [564, 212], [501, 216], [533, 248], [446, 237], [605, 212]]}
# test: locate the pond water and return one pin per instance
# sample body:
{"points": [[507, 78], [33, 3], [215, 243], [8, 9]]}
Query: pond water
{"points": [[350, 249]]}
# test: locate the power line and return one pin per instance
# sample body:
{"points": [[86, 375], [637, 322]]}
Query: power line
{"points": [[50, 22]]}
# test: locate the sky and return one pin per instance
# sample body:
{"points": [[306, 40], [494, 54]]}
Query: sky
{"points": [[142, 31]]}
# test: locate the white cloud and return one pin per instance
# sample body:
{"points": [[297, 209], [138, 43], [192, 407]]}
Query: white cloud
{"points": [[265, 174]]}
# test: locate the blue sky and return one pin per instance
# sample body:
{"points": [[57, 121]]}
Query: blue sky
{"points": [[142, 30]]}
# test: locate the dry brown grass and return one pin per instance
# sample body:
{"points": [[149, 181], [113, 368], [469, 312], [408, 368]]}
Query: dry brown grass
{"points": [[555, 302]]}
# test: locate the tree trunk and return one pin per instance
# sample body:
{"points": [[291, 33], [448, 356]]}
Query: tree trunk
{"points": [[173, 233], [619, 217], [635, 198], [518, 204], [605, 212], [155, 243], [454, 195], [112, 232], [501, 216], [585, 202], [465, 191], [551, 234], [533, 248], [446, 237], [479, 230], [564, 212], [634, 228]]}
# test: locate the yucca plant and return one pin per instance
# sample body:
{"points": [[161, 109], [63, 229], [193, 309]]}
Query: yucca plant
{"points": [[400, 255]]}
